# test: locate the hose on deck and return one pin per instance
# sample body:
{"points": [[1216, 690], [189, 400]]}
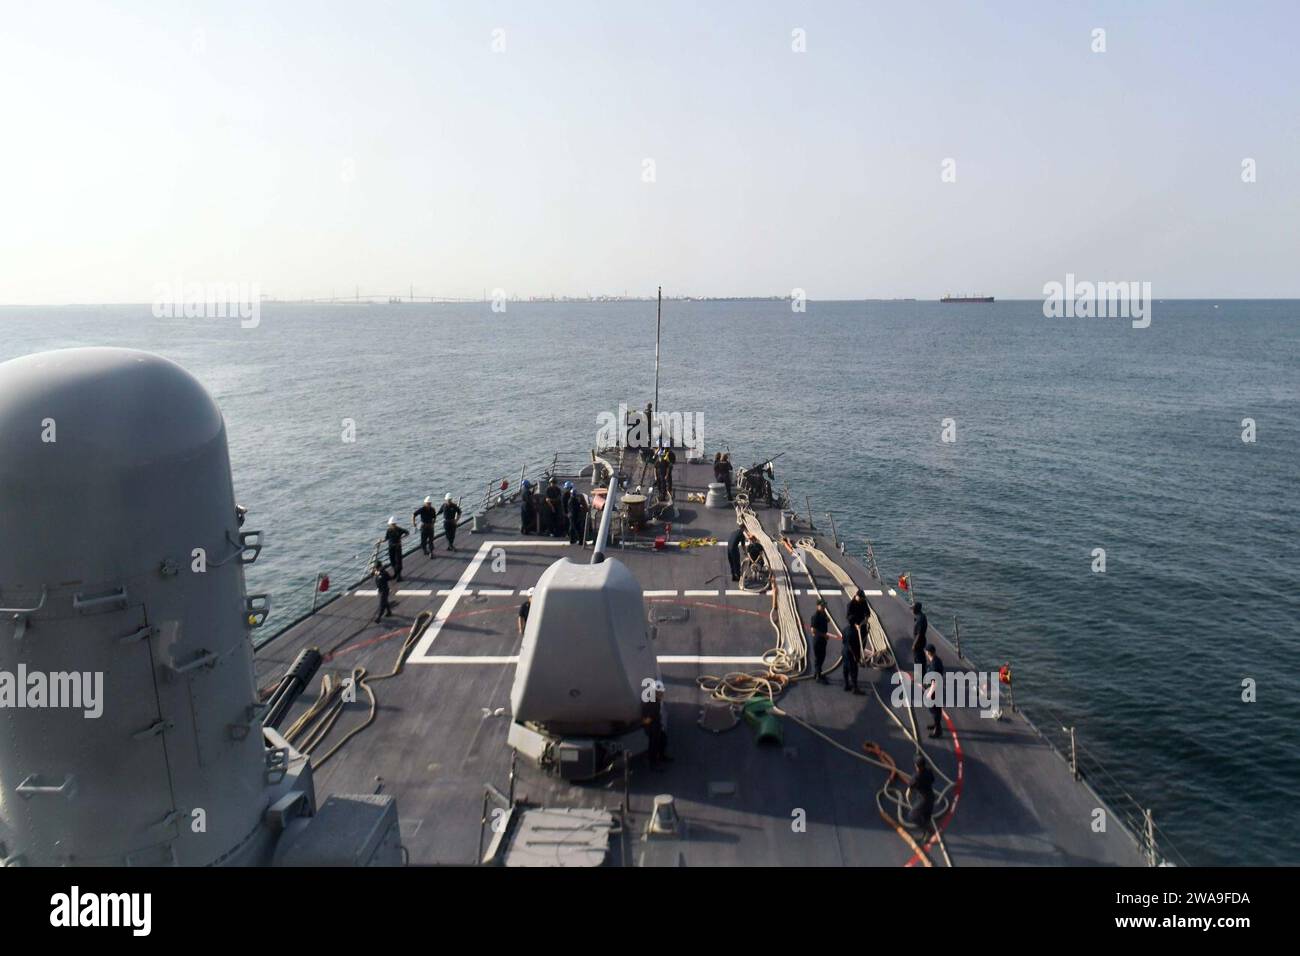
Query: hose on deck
{"points": [[899, 797], [893, 801], [890, 791], [310, 730]]}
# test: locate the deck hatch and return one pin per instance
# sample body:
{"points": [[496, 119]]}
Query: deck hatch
{"points": [[564, 836]]}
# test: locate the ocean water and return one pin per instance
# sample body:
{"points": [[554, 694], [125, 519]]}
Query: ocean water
{"points": [[1071, 435]]}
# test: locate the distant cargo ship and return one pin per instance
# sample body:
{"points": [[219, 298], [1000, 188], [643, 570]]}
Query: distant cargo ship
{"points": [[966, 298]]}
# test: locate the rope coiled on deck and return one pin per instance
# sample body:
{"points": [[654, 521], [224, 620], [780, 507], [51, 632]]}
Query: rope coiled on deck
{"points": [[882, 653], [783, 663]]}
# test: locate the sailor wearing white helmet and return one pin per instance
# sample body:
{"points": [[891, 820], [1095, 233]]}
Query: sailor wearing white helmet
{"points": [[425, 515], [450, 512], [394, 536]]}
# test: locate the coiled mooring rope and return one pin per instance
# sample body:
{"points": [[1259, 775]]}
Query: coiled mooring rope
{"points": [[882, 653], [783, 663]]}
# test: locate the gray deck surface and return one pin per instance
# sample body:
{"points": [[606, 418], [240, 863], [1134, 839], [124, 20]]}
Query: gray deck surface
{"points": [[438, 739]]}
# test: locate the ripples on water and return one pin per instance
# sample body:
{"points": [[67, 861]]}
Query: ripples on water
{"points": [[1072, 434]]}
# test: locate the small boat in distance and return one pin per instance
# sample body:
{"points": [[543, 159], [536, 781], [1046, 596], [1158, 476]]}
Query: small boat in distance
{"points": [[965, 298]]}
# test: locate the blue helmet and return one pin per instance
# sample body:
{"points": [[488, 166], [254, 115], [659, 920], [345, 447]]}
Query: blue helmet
{"points": [[527, 483], [568, 486]]}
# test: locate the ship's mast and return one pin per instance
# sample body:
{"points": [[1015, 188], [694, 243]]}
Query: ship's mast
{"points": [[658, 321]]}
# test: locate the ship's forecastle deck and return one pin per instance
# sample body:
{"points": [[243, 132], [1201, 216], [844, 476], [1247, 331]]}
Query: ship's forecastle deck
{"points": [[439, 734]]}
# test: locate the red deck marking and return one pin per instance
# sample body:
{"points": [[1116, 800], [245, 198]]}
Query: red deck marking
{"points": [[718, 607], [369, 642], [366, 643]]}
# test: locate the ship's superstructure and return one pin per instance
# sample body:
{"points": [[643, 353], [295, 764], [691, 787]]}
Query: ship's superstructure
{"points": [[132, 733]]}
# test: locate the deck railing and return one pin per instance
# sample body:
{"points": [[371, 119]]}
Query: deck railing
{"points": [[305, 598], [1063, 738], [1155, 844]]}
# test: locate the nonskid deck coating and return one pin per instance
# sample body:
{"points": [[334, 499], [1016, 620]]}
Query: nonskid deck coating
{"points": [[440, 735]]}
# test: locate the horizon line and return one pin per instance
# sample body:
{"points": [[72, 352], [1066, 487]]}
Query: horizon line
{"points": [[578, 300]]}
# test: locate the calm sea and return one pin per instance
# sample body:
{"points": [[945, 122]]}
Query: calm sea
{"points": [[1070, 435]]}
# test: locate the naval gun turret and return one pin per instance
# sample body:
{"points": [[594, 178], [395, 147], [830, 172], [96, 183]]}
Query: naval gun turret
{"points": [[587, 671], [130, 730]]}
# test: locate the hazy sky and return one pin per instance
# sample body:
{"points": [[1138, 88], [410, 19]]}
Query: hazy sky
{"points": [[309, 147]]}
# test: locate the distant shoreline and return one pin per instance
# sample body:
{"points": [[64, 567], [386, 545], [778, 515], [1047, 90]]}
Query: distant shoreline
{"points": [[377, 300]]}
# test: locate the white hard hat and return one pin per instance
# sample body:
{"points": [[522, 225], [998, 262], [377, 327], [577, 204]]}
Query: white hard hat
{"points": [[447, 496], [392, 520], [428, 499]]}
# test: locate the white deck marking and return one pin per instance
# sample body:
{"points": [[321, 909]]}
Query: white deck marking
{"points": [[892, 592], [420, 653], [514, 659], [400, 592], [875, 593], [699, 593], [659, 593], [448, 592], [741, 592]]}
